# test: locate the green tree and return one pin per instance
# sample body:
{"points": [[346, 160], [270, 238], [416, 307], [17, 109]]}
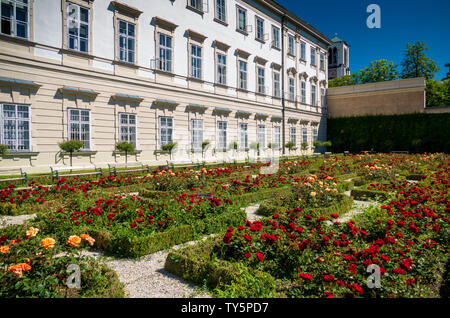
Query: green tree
{"points": [[438, 93], [377, 71], [416, 63], [344, 80], [169, 147], [70, 146], [126, 147], [3, 149]]}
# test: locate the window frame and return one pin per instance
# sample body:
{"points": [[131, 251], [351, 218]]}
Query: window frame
{"points": [[291, 85], [16, 120], [261, 132], [277, 136], [127, 37], [313, 95], [276, 92], [243, 133], [277, 39], [221, 78], [196, 144], [160, 129], [216, 13], [67, 28], [305, 135], [13, 20], [313, 56], [260, 85], [166, 49], [225, 135], [242, 80], [69, 127], [128, 125], [293, 133], [303, 92], [261, 20], [195, 71], [238, 9], [303, 51], [291, 49]]}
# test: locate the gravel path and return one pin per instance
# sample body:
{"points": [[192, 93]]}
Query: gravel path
{"points": [[251, 212], [6, 220]]}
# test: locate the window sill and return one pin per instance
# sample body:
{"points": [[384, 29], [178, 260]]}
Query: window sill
{"points": [[163, 72], [195, 79], [80, 153], [17, 39], [302, 61], [195, 9], [260, 41], [20, 154], [291, 55], [313, 65], [130, 153], [123, 63], [242, 31], [243, 90], [220, 21], [162, 152], [77, 53], [221, 85], [275, 48], [261, 93]]}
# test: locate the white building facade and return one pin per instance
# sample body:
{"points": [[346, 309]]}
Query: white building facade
{"points": [[154, 72]]}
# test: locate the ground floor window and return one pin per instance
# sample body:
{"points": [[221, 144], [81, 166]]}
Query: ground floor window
{"points": [[293, 134], [196, 133], [127, 128], [276, 137], [305, 135], [222, 135], [165, 130], [79, 126], [243, 133], [315, 134], [15, 127], [262, 136]]}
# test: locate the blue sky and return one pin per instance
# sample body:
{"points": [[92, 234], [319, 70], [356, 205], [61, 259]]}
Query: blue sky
{"points": [[402, 21]]}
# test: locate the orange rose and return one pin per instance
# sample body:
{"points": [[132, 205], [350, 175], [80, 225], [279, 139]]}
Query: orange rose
{"points": [[18, 269], [74, 240], [4, 249], [48, 243], [32, 231], [88, 238]]}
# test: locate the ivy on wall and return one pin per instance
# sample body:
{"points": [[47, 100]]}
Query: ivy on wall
{"points": [[415, 133]]}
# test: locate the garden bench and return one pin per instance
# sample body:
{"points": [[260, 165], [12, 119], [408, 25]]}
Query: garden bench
{"points": [[184, 164], [74, 171], [129, 167], [14, 172], [346, 153], [327, 154]]}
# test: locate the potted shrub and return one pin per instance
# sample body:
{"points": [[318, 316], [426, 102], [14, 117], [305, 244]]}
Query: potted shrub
{"points": [[71, 146], [290, 145], [169, 147], [304, 146], [205, 145], [3, 149], [327, 143], [126, 147], [317, 143], [255, 146]]}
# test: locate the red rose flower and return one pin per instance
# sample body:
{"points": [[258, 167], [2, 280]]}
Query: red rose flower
{"points": [[260, 257]]}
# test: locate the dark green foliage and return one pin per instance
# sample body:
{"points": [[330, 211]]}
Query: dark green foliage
{"points": [[364, 194], [385, 133], [3, 149], [416, 63], [438, 93]]}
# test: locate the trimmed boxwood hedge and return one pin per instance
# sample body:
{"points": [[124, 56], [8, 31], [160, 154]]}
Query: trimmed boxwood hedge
{"points": [[416, 133], [361, 193]]}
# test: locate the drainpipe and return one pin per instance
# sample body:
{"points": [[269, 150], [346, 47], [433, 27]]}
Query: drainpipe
{"points": [[282, 84]]}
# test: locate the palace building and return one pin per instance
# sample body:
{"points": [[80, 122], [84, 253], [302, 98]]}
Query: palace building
{"points": [[153, 72]]}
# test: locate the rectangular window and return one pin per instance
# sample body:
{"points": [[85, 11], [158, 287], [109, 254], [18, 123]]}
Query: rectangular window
{"points": [[303, 92], [127, 128], [77, 27], [222, 138], [313, 56], [79, 126], [293, 133], [322, 62], [15, 127], [243, 134], [275, 37], [262, 136], [276, 84], [221, 69], [291, 88], [291, 45], [15, 18], [322, 95], [165, 52], [303, 51], [261, 88], [196, 61], [126, 41], [221, 10], [259, 29], [196, 4], [313, 95], [197, 133], [305, 134], [315, 134], [242, 74], [242, 19], [276, 137], [165, 130]]}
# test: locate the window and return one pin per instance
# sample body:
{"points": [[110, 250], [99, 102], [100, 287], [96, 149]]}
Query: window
{"points": [[291, 45], [262, 136], [196, 61], [196, 4], [293, 133], [242, 19], [259, 29], [291, 88], [345, 57], [126, 41], [322, 62], [222, 138], [305, 134], [165, 130], [127, 128], [242, 74], [276, 84], [15, 127], [79, 127], [243, 134], [275, 37], [303, 51], [313, 95], [221, 10], [303, 92], [322, 95], [276, 137], [313, 56], [260, 82], [221, 69], [15, 17], [77, 27], [165, 52], [197, 133], [315, 134]]}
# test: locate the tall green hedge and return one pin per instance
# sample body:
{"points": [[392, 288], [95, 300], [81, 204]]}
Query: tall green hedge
{"points": [[415, 133]]}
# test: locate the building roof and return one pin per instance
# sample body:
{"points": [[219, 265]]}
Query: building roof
{"points": [[336, 39]]}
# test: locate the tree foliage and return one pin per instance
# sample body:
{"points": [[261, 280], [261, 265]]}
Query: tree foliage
{"points": [[416, 63], [344, 80], [438, 93], [378, 71]]}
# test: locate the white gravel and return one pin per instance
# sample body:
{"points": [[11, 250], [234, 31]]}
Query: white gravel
{"points": [[6, 220]]}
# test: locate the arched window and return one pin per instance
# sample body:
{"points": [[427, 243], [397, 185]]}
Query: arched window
{"points": [[335, 56], [329, 57]]}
